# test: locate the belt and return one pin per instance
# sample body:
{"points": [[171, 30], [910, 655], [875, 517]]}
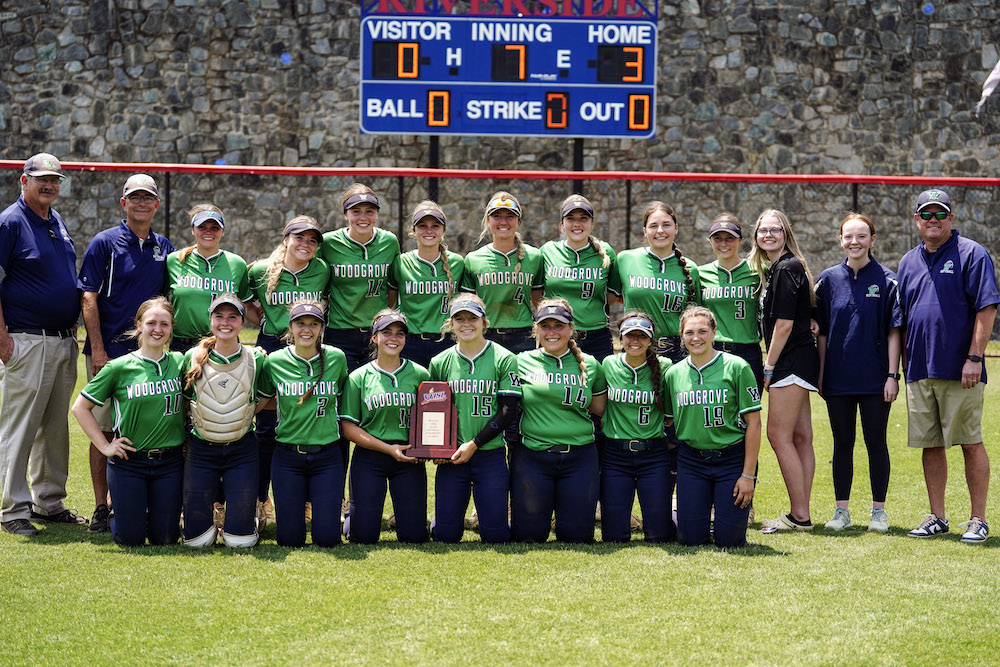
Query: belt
{"points": [[220, 444], [158, 454], [510, 332], [303, 449], [56, 333], [733, 348], [636, 445], [436, 338], [710, 454], [560, 449]]}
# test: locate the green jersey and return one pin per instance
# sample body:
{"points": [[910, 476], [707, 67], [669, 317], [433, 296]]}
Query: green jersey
{"points": [[145, 398], [424, 289], [507, 295], [579, 277], [360, 276], [259, 389], [311, 282], [732, 296], [475, 384], [380, 402], [656, 286], [288, 377], [193, 283], [631, 412], [708, 403], [554, 399]]}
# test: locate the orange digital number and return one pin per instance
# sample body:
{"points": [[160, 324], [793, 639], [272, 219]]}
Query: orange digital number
{"points": [[519, 49], [408, 60], [634, 64], [437, 108], [638, 112], [556, 111]]}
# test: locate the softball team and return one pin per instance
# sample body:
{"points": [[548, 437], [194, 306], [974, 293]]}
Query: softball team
{"points": [[715, 403], [635, 459], [145, 463], [307, 380], [859, 315], [427, 278], [376, 418], [486, 388]]}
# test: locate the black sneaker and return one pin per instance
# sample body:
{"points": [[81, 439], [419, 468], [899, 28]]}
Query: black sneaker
{"points": [[19, 527], [101, 521], [66, 516]]}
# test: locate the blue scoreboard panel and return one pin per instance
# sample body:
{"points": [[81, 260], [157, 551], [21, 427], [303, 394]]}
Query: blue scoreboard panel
{"points": [[508, 76]]}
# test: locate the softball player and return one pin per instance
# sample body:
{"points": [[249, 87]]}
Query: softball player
{"points": [[360, 257], [658, 279], [199, 273], [859, 315], [635, 457], [506, 274], [730, 289], [556, 466], [291, 273], [427, 278], [376, 417], [222, 382], [145, 461], [580, 269], [715, 405], [486, 389], [791, 368], [307, 380]]}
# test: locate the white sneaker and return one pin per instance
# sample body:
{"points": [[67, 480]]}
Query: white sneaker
{"points": [[880, 521], [977, 531], [841, 519]]}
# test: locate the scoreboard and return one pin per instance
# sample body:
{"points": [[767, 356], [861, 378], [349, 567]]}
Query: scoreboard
{"points": [[509, 76]]}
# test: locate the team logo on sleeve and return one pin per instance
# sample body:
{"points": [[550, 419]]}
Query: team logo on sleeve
{"points": [[754, 393], [873, 292], [949, 267], [515, 379]]}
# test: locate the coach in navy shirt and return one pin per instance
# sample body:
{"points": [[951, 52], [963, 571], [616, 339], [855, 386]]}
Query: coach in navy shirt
{"points": [[122, 267], [39, 306], [949, 295]]}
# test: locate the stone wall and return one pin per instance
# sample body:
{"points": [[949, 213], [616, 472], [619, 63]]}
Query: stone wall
{"points": [[761, 86]]}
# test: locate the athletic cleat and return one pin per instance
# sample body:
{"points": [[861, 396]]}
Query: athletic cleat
{"points": [[784, 523], [66, 516], [879, 522], [977, 531], [930, 527], [841, 519], [101, 521]]}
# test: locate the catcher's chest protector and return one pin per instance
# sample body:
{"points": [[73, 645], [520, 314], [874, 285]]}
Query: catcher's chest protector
{"points": [[224, 410]]}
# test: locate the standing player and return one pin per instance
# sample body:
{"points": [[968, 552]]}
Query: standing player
{"points": [[485, 385], [360, 257], [857, 308], [506, 274], [199, 273], [122, 267], [307, 379], [556, 467], [222, 384], [376, 417], [731, 290], [715, 403], [581, 269], [427, 278], [291, 273], [144, 455], [658, 279], [635, 457]]}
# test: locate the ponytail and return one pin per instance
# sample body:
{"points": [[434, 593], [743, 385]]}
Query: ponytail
{"points": [[198, 359], [578, 353], [688, 280], [656, 376]]}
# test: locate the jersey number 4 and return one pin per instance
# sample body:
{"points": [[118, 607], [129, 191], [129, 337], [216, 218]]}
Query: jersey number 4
{"points": [[581, 397]]}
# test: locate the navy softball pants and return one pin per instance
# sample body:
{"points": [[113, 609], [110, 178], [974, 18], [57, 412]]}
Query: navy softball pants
{"points": [[314, 473], [236, 463], [706, 478], [624, 474], [146, 491], [370, 472], [486, 479], [561, 479]]}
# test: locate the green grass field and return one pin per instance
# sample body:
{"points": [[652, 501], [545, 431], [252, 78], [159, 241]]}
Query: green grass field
{"points": [[68, 597]]}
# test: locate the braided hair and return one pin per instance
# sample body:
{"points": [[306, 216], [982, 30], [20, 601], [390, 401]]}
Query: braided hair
{"points": [[442, 246], [594, 242], [652, 359], [517, 235], [651, 208], [195, 210], [573, 347]]}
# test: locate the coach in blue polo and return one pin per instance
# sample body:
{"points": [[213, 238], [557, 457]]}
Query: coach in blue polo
{"points": [[39, 306], [948, 291], [122, 267]]}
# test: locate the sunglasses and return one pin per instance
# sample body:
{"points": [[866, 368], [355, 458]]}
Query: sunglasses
{"points": [[501, 202], [937, 215]]}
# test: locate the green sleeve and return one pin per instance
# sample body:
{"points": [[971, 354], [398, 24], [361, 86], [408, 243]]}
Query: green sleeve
{"points": [[260, 386], [394, 273], [749, 400], [510, 382], [103, 385], [598, 384], [189, 392], [614, 280], [265, 382], [242, 279], [350, 407]]}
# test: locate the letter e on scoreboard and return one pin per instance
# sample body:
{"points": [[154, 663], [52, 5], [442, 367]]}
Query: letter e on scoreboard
{"points": [[639, 112], [438, 104]]}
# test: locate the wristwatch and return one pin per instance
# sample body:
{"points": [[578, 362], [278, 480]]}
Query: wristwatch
{"points": [[975, 358], [895, 376]]}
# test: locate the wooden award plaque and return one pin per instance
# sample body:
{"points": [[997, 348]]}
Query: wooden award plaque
{"points": [[433, 422]]}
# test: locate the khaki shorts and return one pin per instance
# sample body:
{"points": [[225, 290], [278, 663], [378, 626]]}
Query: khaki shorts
{"points": [[102, 413], [941, 413]]}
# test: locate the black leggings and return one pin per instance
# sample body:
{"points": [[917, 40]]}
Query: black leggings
{"points": [[843, 421]]}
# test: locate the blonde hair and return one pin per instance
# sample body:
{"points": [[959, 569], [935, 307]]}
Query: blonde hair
{"points": [[276, 260], [573, 347], [199, 357], [503, 194], [195, 210], [442, 246], [145, 307], [758, 257], [318, 344], [647, 212], [448, 328], [594, 242], [378, 316]]}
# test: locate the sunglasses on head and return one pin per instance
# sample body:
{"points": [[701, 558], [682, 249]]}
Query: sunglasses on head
{"points": [[939, 215]]}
